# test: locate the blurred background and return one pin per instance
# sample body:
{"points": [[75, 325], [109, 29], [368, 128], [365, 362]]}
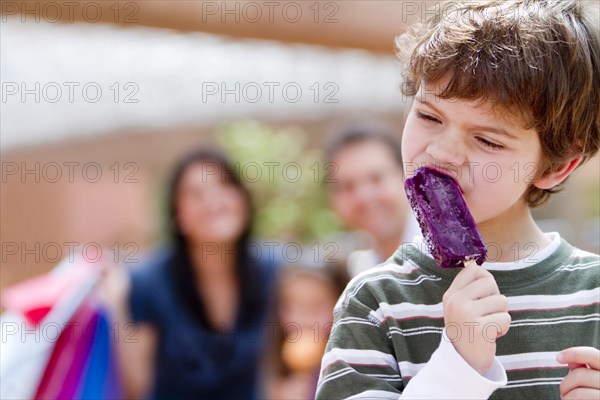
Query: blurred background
{"points": [[100, 98]]}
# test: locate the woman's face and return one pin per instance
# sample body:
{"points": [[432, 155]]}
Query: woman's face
{"points": [[209, 207]]}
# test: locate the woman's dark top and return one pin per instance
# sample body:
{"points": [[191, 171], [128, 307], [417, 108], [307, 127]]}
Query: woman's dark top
{"points": [[193, 361]]}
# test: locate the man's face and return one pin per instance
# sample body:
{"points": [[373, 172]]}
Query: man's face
{"points": [[369, 192], [493, 158]]}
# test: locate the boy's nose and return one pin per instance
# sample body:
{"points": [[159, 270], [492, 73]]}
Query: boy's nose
{"points": [[447, 150]]}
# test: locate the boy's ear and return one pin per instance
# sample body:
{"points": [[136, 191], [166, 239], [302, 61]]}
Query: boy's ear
{"points": [[552, 179]]}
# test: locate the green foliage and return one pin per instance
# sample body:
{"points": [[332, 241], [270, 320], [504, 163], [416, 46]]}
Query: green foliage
{"points": [[285, 176]]}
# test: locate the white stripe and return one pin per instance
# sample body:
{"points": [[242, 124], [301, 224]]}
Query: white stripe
{"points": [[348, 370], [415, 331], [408, 310], [515, 382], [419, 328], [556, 318], [376, 316], [359, 357], [406, 268], [414, 334], [403, 269], [375, 394], [550, 321], [582, 253], [546, 359], [574, 267], [387, 377], [405, 282], [534, 302], [510, 362], [353, 320], [336, 374], [410, 369], [515, 303], [522, 322], [574, 319], [536, 382]]}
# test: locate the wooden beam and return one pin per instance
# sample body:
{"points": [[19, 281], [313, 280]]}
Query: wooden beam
{"points": [[369, 25]]}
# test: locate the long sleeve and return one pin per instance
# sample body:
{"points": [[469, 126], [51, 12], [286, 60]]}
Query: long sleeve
{"points": [[453, 377], [360, 362]]}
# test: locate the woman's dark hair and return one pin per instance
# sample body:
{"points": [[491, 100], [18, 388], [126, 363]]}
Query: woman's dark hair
{"points": [[252, 302]]}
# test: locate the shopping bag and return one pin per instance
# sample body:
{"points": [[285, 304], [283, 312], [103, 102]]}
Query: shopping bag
{"points": [[102, 380], [38, 311]]}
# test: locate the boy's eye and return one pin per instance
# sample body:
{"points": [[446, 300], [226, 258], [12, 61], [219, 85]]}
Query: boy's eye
{"points": [[426, 117], [489, 144]]}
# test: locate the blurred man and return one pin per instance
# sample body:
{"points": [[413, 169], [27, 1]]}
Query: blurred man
{"points": [[367, 191]]}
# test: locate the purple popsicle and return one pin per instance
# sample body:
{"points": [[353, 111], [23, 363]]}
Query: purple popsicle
{"points": [[447, 225]]}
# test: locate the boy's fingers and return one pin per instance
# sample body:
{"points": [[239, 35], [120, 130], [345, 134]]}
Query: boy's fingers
{"points": [[464, 277], [572, 366], [468, 274], [496, 325], [580, 378], [580, 355], [493, 304], [581, 393], [478, 270], [481, 288]]}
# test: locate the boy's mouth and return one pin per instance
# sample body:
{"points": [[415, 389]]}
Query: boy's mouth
{"points": [[447, 172]]}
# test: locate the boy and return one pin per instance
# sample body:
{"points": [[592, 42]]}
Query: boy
{"points": [[498, 87]]}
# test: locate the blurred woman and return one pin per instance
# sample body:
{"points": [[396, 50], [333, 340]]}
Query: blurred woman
{"points": [[200, 304], [307, 294]]}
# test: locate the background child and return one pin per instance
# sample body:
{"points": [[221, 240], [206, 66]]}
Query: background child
{"points": [[307, 294], [507, 85]]}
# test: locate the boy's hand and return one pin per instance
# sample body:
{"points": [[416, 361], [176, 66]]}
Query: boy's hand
{"points": [[583, 379], [474, 306]]}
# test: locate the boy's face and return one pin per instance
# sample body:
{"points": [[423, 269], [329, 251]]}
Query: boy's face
{"points": [[493, 169]]}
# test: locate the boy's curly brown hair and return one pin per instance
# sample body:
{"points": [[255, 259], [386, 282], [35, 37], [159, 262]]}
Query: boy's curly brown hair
{"points": [[536, 59]]}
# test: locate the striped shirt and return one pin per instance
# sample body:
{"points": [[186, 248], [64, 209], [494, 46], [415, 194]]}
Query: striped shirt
{"points": [[389, 330]]}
